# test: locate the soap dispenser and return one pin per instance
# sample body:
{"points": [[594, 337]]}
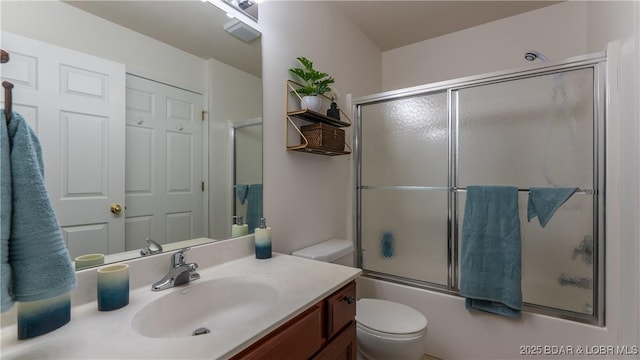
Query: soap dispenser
{"points": [[239, 228], [263, 240]]}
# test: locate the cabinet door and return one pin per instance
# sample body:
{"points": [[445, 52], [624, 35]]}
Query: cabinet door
{"points": [[300, 338], [341, 309], [342, 347]]}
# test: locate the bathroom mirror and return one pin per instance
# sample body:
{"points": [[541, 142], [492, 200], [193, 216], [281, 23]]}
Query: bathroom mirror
{"points": [[231, 93]]}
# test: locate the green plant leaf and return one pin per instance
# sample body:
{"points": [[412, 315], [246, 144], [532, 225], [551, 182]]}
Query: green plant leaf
{"points": [[316, 82]]}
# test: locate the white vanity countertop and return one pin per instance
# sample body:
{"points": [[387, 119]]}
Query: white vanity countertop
{"points": [[93, 334]]}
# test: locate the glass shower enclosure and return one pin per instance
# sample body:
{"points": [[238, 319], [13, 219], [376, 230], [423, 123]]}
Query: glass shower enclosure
{"points": [[417, 150]]}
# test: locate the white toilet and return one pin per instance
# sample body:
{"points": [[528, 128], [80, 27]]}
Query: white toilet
{"points": [[385, 329]]}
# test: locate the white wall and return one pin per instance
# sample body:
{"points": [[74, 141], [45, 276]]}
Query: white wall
{"points": [[306, 196], [558, 31], [608, 20], [60, 24]]}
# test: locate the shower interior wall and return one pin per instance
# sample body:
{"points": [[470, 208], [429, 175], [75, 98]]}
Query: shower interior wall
{"points": [[571, 29]]}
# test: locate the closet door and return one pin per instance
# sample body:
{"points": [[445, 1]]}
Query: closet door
{"points": [[163, 163], [75, 103]]}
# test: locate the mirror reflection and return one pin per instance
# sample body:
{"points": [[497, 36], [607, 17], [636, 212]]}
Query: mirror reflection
{"points": [[247, 172], [174, 152], [249, 7]]}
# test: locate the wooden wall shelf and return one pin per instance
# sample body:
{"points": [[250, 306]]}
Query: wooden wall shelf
{"points": [[310, 117]]}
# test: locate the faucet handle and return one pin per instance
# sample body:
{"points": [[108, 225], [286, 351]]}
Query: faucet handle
{"points": [[178, 257]]}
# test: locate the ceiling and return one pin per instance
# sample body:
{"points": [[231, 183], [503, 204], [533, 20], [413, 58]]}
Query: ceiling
{"points": [[193, 26], [196, 27], [392, 24]]}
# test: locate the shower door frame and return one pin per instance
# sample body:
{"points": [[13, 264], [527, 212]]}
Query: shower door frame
{"points": [[233, 132], [597, 62]]}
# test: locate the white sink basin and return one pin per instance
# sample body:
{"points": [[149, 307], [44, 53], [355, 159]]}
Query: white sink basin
{"points": [[209, 306]]}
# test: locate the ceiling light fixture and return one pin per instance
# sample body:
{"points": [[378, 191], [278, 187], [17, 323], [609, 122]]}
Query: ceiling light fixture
{"points": [[242, 31]]}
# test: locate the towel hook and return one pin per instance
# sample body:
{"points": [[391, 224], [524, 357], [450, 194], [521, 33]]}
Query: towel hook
{"points": [[8, 98]]}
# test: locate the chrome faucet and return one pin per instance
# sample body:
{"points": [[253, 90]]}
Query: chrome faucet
{"points": [[179, 273], [152, 248]]}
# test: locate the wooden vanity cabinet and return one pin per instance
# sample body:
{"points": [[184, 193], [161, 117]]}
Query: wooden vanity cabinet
{"points": [[297, 339], [326, 331], [341, 347]]}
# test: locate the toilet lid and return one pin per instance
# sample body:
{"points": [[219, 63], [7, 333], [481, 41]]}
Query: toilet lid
{"points": [[389, 317]]}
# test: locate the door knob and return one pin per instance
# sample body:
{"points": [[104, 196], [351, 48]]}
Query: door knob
{"points": [[116, 209]]}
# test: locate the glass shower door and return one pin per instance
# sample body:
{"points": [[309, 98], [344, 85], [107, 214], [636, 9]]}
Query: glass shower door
{"points": [[538, 132], [419, 149], [404, 188]]}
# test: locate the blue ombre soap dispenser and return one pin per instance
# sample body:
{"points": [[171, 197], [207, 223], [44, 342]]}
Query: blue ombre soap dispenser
{"points": [[263, 240]]}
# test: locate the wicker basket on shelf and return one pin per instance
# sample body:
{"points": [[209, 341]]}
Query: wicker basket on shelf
{"points": [[323, 136]]}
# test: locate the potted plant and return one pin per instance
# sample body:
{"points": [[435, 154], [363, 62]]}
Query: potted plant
{"points": [[314, 83]]}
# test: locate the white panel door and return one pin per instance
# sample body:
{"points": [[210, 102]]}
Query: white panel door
{"points": [[75, 103], [163, 163]]}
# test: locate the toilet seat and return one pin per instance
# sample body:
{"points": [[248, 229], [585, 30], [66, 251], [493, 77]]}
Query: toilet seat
{"points": [[389, 319], [390, 336]]}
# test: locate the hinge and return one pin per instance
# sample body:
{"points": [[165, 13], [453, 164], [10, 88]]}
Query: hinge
{"points": [[203, 112], [202, 186]]}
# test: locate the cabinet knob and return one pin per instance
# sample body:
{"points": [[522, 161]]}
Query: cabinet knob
{"points": [[348, 299]]}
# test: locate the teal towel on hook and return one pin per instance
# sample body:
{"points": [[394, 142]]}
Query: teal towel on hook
{"points": [[490, 266], [387, 245], [543, 202], [38, 263], [5, 214]]}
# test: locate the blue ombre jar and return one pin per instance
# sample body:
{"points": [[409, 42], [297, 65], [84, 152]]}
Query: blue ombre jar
{"points": [[113, 287]]}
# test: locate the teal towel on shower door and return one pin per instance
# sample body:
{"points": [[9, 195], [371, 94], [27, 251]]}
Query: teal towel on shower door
{"points": [[543, 202], [241, 192], [490, 265], [254, 206]]}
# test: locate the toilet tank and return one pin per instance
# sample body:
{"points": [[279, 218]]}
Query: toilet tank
{"points": [[334, 251]]}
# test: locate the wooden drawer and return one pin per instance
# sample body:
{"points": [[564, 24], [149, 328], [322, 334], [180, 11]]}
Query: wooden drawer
{"points": [[341, 309], [327, 329], [299, 338], [342, 347]]}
